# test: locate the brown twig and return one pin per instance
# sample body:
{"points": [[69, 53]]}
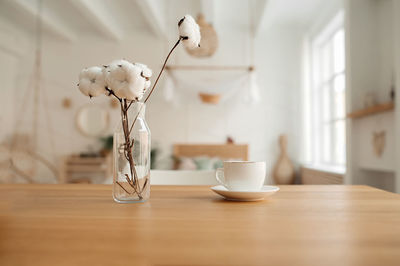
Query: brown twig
{"points": [[113, 94], [145, 183], [123, 187], [128, 179], [155, 83], [127, 108], [134, 120], [127, 149], [162, 69]]}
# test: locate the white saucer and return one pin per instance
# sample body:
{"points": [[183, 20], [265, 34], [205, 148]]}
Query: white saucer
{"points": [[265, 191]]}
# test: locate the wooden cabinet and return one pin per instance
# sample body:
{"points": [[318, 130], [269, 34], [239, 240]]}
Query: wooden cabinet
{"points": [[76, 169], [313, 176]]}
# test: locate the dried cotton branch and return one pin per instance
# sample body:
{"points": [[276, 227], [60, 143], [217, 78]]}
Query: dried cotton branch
{"points": [[128, 82]]}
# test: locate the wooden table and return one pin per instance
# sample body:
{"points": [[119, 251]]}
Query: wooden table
{"points": [[300, 225]]}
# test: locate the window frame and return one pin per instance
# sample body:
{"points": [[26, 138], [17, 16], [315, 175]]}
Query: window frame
{"points": [[325, 39]]}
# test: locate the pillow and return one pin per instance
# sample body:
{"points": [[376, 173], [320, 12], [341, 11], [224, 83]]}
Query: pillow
{"points": [[203, 163], [186, 163], [218, 163], [208, 163], [199, 163]]}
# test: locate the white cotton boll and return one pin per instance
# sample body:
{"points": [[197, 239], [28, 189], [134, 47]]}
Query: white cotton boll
{"points": [[147, 72], [117, 68], [125, 80], [147, 84], [84, 86], [136, 87], [115, 75], [189, 30], [92, 82]]}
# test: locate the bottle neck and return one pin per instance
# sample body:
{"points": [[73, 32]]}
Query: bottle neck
{"points": [[137, 109]]}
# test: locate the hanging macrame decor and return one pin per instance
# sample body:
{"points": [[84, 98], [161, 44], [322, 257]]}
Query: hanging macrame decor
{"points": [[212, 84], [209, 88], [209, 39], [20, 159]]}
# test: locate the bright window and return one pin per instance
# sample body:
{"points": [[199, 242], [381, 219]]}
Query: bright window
{"points": [[327, 132]]}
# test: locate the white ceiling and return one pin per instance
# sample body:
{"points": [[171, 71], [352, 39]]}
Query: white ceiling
{"points": [[292, 12], [71, 19]]}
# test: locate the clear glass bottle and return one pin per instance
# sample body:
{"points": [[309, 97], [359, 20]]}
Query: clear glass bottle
{"points": [[131, 157]]}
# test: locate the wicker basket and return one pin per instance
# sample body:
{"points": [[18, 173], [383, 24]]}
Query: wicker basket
{"points": [[209, 98]]}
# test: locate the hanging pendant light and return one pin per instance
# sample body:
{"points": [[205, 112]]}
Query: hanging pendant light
{"points": [[253, 93]]}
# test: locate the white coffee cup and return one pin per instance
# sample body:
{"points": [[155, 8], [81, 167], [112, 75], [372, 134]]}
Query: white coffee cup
{"points": [[242, 175]]}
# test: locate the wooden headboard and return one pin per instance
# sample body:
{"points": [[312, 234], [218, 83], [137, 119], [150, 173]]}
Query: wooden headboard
{"points": [[222, 151]]}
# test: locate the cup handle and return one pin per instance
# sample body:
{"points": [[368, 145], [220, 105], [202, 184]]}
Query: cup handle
{"points": [[219, 175]]}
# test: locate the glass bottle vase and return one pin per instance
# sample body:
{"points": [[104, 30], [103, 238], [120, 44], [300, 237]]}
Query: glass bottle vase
{"points": [[131, 156]]}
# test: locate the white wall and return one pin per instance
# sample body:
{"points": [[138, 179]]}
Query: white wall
{"points": [[277, 61], [370, 68]]}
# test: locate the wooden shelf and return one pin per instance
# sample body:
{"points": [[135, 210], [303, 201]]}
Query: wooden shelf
{"points": [[379, 108]]}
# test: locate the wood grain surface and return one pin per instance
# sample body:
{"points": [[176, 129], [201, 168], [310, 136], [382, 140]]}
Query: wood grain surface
{"points": [[189, 225]]}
